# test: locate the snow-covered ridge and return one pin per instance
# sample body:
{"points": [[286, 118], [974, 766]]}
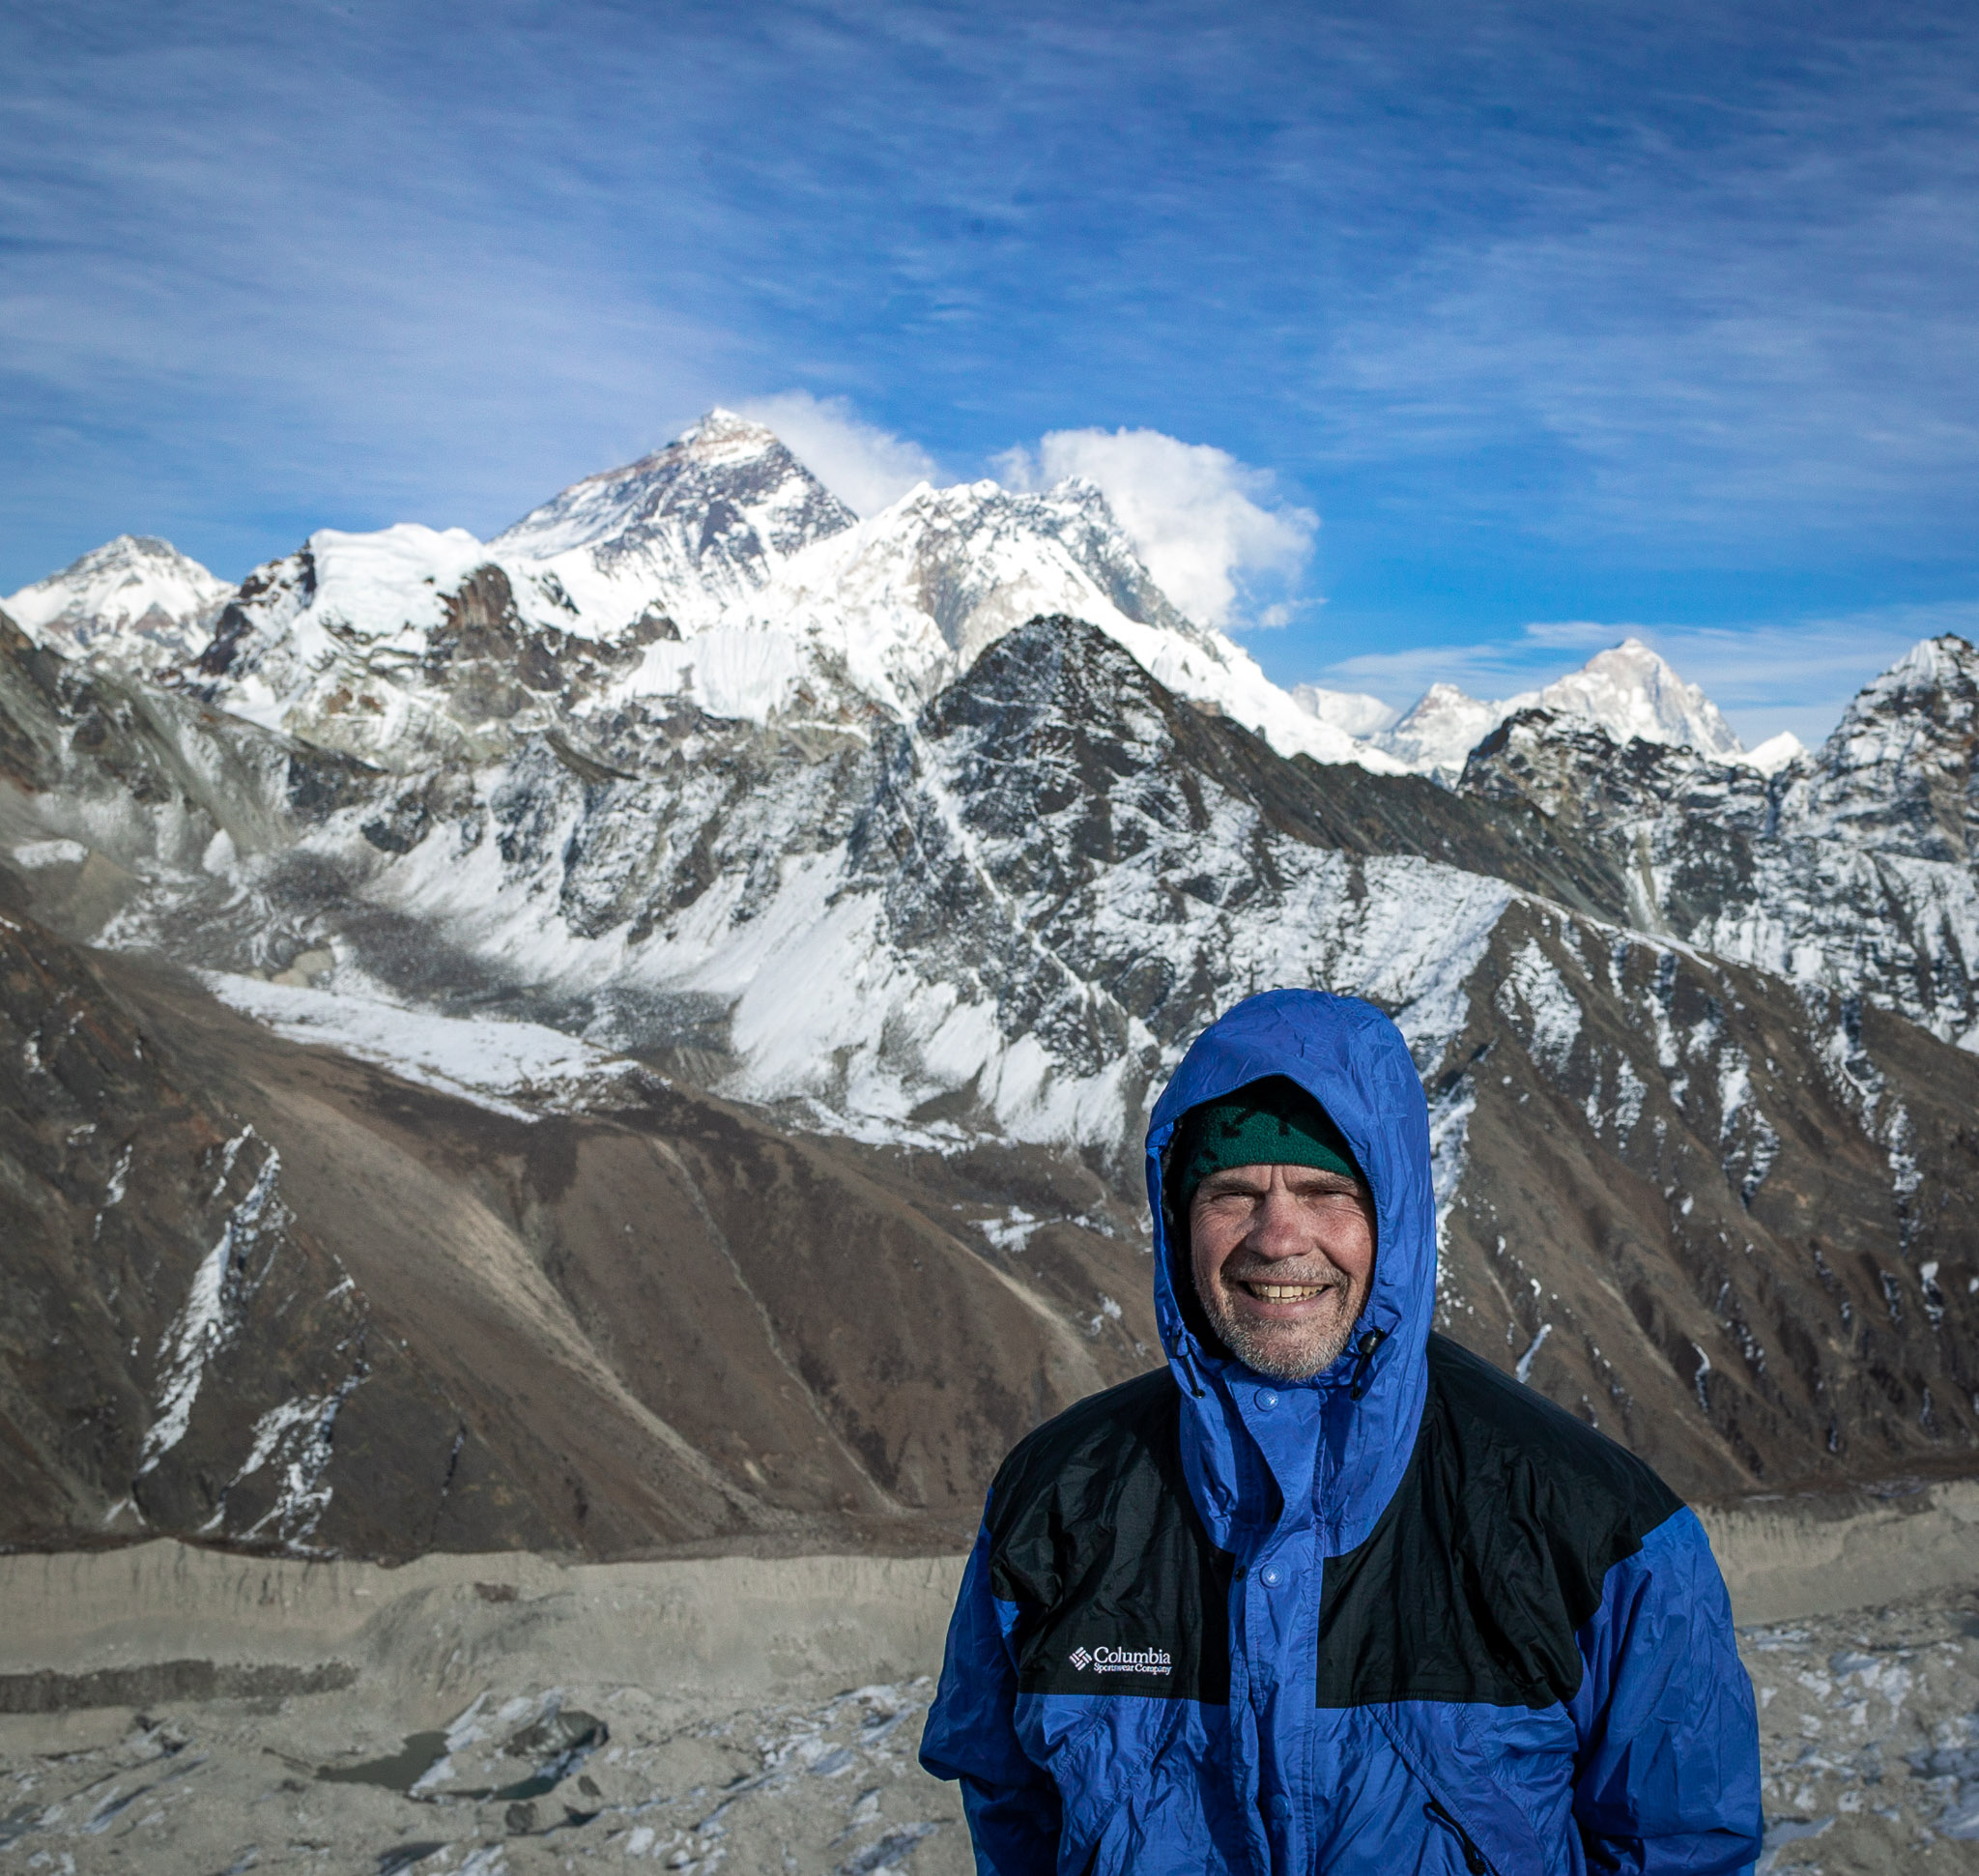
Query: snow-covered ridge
{"points": [[136, 602], [1627, 689], [909, 598], [719, 571]]}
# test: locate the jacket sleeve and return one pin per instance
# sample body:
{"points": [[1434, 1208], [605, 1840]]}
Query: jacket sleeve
{"points": [[1011, 1804], [1667, 1775]]}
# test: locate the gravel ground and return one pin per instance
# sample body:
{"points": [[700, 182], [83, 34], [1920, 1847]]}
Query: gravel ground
{"points": [[1869, 1724], [522, 1781], [1868, 1727]]}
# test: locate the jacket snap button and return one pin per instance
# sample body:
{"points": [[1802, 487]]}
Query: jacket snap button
{"points": [[1269, 1575], [1280, 1806], [1267, 1400]]}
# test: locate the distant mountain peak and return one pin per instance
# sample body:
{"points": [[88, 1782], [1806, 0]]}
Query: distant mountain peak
{"points": [[1630, 689], [1633, 692], [1930, 664], [1440, 729], [724, 463], [696, 526], [134, 601], [1775, 753]]}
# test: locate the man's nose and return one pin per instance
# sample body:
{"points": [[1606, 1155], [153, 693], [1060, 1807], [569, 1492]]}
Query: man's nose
{"points": [[1278, 1230]]}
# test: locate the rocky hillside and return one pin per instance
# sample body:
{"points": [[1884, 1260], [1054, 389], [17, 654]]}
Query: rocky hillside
{"points": [[636, 1035]]}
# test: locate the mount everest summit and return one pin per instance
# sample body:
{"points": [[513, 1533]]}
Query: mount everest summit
{"points": [[636, 1031]]}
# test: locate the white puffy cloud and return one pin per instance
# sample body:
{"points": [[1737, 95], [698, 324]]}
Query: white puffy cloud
{"points": [[864, 466], [1207, 526]]}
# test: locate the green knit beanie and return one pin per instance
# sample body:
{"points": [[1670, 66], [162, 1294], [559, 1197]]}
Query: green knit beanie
{"points": [[1273, 1122]]}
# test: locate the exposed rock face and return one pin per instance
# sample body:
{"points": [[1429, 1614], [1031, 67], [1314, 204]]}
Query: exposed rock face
{"points": [[655, 1083], [940, 964], [1850, 868], [180, 1354], [309, 1307]]}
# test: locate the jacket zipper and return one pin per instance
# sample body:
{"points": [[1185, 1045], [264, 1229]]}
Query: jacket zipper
{"points": [[1473, 1859]]}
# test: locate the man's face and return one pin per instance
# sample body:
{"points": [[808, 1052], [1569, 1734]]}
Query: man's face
{"points": [[1284, 1258]]}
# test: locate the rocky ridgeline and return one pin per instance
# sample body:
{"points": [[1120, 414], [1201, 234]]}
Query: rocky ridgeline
{"points": [[682, 985]]}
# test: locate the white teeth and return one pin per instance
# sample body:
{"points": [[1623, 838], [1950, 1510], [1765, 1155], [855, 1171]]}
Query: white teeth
{"points": [[1285, 1293]]}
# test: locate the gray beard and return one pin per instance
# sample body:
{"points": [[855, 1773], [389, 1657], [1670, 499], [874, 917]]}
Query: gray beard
{"points": [[1274, 1357]]}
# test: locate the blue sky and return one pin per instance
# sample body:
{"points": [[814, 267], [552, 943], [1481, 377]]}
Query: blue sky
{"points": [[1562, 320]]}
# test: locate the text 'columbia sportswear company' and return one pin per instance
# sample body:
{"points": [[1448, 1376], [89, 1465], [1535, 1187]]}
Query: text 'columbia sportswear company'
{"points": [[1122, 1661]]}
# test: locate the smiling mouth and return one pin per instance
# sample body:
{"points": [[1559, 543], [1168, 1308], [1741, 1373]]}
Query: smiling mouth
{"points": [[1286, 1292]]}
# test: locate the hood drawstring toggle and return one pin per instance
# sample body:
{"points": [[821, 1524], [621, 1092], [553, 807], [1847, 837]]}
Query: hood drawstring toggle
{"points": [[1364, 1349]]}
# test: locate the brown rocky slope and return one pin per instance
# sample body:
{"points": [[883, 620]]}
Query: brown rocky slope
{"points": [[263, 1292]]}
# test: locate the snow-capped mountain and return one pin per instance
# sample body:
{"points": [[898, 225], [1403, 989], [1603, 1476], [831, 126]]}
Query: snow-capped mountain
{"points": [[690, 530], [1631, 692], [716, 574], [1851, 868], [911, 852], [911, 980], [720, 573], [1353, 711], [1627, 689], [1438, 732], [909, 600], [379, 644], [136, 602], [1775, 753]]}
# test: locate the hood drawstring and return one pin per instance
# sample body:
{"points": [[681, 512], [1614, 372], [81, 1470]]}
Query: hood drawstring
{"points": [[1364, 1349]]}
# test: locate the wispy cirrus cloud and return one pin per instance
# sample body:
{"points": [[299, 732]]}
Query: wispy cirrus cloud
{"points": [[1665, 313]]}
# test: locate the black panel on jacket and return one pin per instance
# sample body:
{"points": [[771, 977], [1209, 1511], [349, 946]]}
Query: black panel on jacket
{"points": [[1094, 1536], [1491, 1554]]}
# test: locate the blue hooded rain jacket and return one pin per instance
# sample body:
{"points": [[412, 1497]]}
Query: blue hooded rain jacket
{"points": [[1406, 1616]]}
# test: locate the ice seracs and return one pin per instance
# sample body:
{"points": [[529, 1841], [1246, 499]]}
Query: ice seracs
{"points": [[136, 602]]}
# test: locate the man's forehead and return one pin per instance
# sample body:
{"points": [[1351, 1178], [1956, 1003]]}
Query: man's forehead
{"points": [[1293, 1175]]}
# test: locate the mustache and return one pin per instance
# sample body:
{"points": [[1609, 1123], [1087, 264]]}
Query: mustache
{"points": [[1326, 1277]]}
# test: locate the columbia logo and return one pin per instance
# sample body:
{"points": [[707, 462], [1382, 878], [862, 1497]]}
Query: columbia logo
{"points": [[1122, 1661]]}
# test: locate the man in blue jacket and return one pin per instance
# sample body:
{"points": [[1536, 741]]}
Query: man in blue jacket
{"points": [[1327, 1593]]}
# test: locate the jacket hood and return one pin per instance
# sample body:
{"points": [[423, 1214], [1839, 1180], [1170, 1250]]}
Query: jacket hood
{"points": [[1353, 1061]]}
